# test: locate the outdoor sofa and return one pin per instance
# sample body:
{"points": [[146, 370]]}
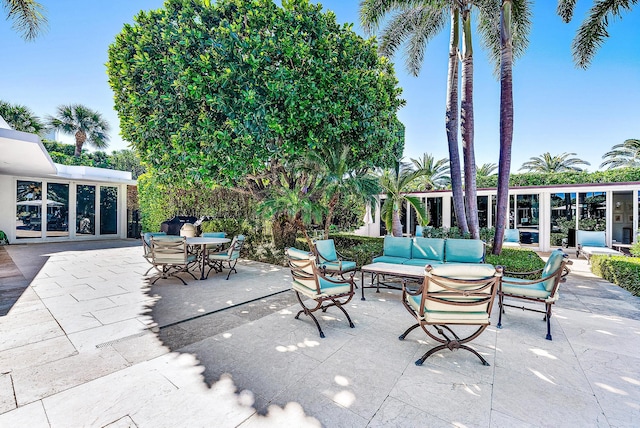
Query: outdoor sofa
{"points": [[430, 251]]}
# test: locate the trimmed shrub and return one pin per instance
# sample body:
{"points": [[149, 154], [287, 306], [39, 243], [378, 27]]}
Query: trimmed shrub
{"points": [[516, 260], [620, 270]]}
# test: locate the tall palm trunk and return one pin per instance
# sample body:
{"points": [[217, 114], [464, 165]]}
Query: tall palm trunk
{"points": [[396, 229], [332, 207], [466, 125], [451, 121], [506, 123], [81, 138]]}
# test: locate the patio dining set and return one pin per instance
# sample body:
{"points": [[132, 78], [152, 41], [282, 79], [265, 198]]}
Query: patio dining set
{"points": [[171, 255]]}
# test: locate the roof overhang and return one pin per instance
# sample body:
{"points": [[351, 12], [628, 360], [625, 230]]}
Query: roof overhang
{"points": [[22, 153]]}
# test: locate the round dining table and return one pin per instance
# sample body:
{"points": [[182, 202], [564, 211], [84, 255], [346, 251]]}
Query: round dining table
{"points": [[203, 242]]}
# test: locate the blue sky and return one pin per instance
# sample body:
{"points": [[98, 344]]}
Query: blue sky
{"points": [[558, 108]]}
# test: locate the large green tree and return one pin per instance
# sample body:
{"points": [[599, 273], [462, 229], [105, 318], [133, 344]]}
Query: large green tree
{"points": [[85, 124], [547, 162], [593, 31], [624, 155], [21, 118], [232, 92], [436, 172], [27, 16]]}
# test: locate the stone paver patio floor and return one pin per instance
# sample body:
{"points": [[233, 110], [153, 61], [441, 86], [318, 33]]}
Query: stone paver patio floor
{"points": [[89, 343]]}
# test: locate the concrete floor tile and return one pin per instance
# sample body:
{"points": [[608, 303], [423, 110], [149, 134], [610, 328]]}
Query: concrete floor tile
{"points": [[47, 329], [396, 413], [32, 416], [35, 383], [74, 323], [292, 415], [89, 339], [66, 305], [7, 396], [35, 354], [137, 349], [500, 420]]}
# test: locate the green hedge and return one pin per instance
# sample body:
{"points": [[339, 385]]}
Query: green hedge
{"points": [[621, 270], [618, 175], [516, 260]]}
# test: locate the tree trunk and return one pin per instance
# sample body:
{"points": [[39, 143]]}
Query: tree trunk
{"points": [[81, 138], [506, 123], [451, 122], [397, 226], [467, 125], [284, 233], [332, 207]]}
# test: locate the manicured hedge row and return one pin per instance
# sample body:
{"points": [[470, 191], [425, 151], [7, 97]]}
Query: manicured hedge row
{"points": [[623, 271], [517, 260], [618, 175]]}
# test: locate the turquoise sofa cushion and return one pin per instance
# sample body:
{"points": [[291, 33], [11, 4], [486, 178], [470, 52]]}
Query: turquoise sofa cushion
{"points": [[427, 248], [590, 238], [422, 262], [464, 251], [397, 247], [390, 259]]}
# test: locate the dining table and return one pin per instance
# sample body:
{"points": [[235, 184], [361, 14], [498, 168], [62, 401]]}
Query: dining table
{"points": [[203, 242]]}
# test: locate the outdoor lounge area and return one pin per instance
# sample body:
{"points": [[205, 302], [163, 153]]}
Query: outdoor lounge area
{"points": [[89, 342]]}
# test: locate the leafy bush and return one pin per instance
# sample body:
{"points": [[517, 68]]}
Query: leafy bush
{"points": [[517, 260], [618, 175], [635, 249], [621, 270]]}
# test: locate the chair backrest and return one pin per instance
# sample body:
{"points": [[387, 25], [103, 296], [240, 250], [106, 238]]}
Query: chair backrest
{"points": [[465, 292], [303, 268], [464, 250], [397, 247], [214, 234], [146, 240], [511, 235], [169, 249], [188, 230], [325, 249], [553, 269], [591, 238], [419, 231], [236, 246], [428, 248]]}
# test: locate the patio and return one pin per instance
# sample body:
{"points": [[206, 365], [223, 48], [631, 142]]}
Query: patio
{"points": [[89, 343]]}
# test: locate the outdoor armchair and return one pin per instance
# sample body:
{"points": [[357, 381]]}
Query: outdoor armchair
{"points": [[230, 256], [543, 290], [146, 248], [592, 242], [310, 282], [216, 247], [451, 297], [329, 260], [169, 255], [511, 238]]}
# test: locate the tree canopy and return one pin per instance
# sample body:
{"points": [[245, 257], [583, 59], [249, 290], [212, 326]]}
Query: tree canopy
{"points": [[220, 92]]}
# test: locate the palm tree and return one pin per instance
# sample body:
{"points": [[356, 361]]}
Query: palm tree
{"points": [[436, 172], [85, 124], [486, 170], [546, 163], [593, 30], [623, 155], [27, 16], [337, 179], [417, 22], [21, 118], [395, 183]]}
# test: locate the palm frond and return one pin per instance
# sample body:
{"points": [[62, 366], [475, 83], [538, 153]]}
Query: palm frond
{"points": [[565, 9], [28, 17]]}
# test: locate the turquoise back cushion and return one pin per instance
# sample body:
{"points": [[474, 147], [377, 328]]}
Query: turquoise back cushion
{"points": [[214, 234], [397, 247], [464, 251], [553, 263], [327, 250], [147, 236], [511, 235], [428, 248], [419, 231], [590, 238]]}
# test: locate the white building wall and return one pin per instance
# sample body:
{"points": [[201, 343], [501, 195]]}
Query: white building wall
{"points": [[7, 204]]}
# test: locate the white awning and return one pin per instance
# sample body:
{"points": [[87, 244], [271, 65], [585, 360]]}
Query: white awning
{"points": [[22, 153]]}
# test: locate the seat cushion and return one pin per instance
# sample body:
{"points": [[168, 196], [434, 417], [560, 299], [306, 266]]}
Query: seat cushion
{"points": [[335, 266], [600, 250], [465, 270], [326, 249], [422, 262], [427, 248], [516, 287], [591, 238], [397, 247], [464, 250], [327, 288], [390, 259], [473, 316]]}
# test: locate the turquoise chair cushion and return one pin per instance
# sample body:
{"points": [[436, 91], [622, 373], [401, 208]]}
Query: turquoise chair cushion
{"points": [[390, 259], [214, 234], [419, 231], [536, 290], [327, 250], [470, 271], [147, 236], [590, 238], [335, 266], [553, 263], [464, 251], [422, 262], [511, 235], [427, 248], [397, 247]]}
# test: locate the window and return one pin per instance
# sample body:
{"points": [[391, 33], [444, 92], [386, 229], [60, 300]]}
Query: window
{"points": [[108, 210], [85, 210], [29, 209], [57, 209]]}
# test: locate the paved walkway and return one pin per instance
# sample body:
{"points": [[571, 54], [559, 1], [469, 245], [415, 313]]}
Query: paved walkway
{"points": [[89, 343]]}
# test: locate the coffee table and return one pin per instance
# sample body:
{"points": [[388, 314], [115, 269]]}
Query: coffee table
{"points": [[401, 272]]}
